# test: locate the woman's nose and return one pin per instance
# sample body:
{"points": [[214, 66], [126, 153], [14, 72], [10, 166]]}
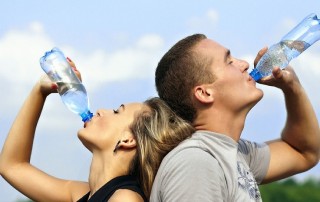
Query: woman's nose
{"points": [[99, 112]]}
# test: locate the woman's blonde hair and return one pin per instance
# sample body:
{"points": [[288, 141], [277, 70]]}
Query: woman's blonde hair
{"points": [[157, 131]]}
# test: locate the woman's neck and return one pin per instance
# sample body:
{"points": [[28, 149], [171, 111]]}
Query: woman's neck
{"points": [[103, 169]]}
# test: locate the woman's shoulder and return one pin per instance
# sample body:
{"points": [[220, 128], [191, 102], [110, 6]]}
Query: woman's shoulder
{"points": [[124, 195]]}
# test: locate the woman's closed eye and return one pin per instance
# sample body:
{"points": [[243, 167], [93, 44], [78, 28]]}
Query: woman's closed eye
{"points": [[116, 111]]}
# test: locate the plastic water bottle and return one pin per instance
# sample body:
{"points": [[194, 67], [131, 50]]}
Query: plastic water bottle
{"points": [[301, 37], [70, 88]]}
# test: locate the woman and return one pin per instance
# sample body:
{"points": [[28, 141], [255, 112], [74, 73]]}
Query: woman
{"points": [[127, 147]]}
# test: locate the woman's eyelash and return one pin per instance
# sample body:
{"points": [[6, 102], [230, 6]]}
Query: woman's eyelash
{"points": [[115, 111]]}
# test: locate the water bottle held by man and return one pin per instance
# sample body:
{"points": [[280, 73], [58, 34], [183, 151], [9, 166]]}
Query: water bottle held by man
{"points": [[70, 88], [301, 37]]}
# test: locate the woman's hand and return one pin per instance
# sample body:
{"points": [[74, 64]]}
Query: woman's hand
{"points": [[73, 66], [47, 86]]}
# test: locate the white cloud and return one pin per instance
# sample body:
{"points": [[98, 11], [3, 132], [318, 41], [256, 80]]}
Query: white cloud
{"points": [[19, 63], [308, 64], [308, 71], [135, 61], [288, 24], [209, 19], [20, 51], [212, 16]]}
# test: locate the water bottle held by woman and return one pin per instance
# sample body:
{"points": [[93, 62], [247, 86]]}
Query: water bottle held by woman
{"points": [[70, 88], [301, 37]]}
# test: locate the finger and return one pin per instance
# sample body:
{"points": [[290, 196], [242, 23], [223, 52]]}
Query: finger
{"points": [[54, 86], [260, 54], [78, 75], [73, 66], [277, 73], [71, 63], [266, 80]]}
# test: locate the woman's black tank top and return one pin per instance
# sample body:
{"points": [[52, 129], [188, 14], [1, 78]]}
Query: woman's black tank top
{"points": [[106, 191]]}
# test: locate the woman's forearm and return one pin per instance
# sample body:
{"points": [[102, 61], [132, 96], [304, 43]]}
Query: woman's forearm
{"points": [[18, 145]]}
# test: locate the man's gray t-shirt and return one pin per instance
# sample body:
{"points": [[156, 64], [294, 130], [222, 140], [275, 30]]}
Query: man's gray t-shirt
{"points": [[211, 167]]}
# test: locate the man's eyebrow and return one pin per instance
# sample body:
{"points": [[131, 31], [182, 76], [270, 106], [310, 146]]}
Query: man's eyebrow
{"points": [[122, 106], [227, 55]]}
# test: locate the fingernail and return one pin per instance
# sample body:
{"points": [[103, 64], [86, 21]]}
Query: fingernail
{"points": [[54, 86], [74, 68]]}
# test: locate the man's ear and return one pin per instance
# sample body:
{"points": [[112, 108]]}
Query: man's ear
{"points": [[204, 94]]}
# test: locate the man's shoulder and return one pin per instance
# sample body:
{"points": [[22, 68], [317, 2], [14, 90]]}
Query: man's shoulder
{"points": [[188, 153], [186, 147], [246, 146], [187, 168]]}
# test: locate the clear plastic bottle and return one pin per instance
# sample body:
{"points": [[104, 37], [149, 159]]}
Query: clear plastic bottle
{"points": [[70, 88], [301, 37]]}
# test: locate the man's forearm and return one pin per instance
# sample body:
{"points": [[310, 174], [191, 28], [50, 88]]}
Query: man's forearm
{"points": [[302, 129]]}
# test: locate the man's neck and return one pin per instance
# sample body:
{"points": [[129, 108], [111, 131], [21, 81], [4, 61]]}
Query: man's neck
{"points": [[224, 123]]}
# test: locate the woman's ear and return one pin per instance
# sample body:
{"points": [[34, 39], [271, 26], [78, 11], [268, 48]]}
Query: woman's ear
{"points": [[128, 142], [204, 94]]}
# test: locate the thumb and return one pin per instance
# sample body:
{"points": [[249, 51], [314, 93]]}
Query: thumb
{"points": [[277, 73]]}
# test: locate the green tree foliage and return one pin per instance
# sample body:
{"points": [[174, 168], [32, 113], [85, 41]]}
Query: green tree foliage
{"points": [[24, 200], [291, 190]]}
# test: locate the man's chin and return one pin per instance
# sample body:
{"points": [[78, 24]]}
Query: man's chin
{"points": [[260, 95], [257, 99]]}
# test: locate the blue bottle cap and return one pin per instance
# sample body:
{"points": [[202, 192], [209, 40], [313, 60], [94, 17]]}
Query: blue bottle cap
{"points": [[255, 74], [86, 116]]}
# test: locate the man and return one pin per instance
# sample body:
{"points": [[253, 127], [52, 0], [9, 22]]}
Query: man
{"points": [[206, 85]]}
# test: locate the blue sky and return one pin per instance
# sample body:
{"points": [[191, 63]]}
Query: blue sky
{"points": [[117, 44]]}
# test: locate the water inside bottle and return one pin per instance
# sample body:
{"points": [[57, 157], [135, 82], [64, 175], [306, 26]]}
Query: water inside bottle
{"points": [[74, 96], [280, 55], [293, 49]]}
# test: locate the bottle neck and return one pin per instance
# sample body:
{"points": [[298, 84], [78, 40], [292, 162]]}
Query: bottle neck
{"points": [[86, 116], [255, 74]]}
